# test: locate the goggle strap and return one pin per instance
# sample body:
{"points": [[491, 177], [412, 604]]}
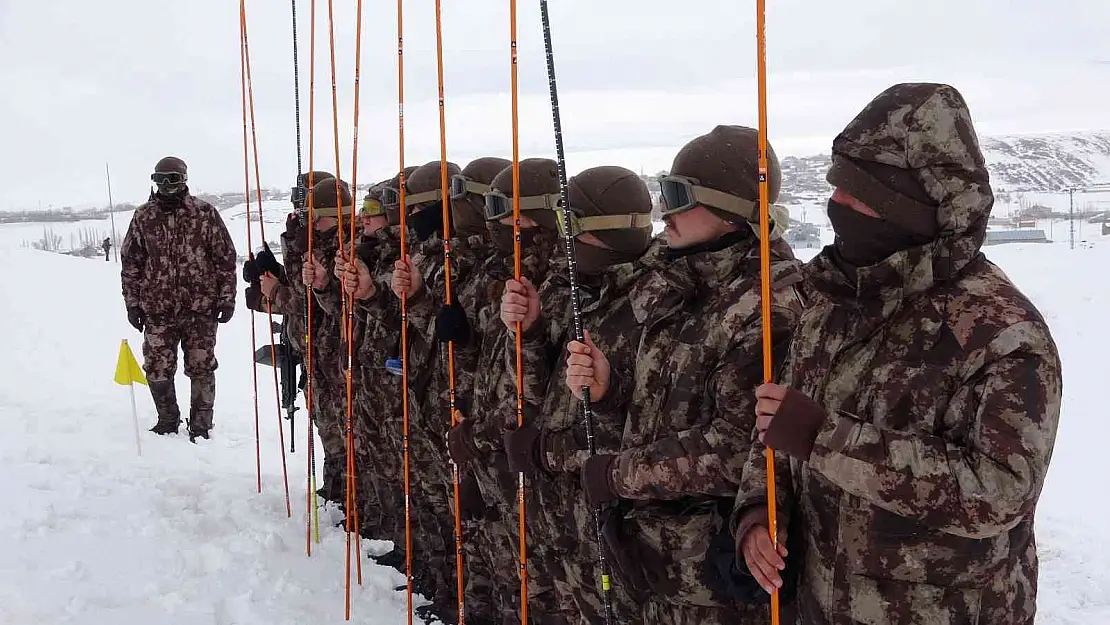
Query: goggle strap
{"points": [[476, 188], [609, 222], [421, 198], [348, 211], [726, 202], [539, 202]]}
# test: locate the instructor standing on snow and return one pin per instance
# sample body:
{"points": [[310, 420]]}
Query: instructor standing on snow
{"points": [[178, 282]]}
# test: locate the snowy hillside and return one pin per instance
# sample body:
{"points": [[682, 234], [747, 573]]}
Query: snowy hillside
{"points": [[1037, 164]]}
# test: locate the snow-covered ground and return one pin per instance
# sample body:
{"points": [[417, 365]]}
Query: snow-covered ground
{"points": [[96, 535]]}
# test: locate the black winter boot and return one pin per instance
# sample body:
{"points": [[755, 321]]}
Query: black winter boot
{"points": [[164, 394], [202, 396]]}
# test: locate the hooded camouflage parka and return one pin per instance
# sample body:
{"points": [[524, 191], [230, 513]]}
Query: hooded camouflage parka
{"points": [[942, 387]]}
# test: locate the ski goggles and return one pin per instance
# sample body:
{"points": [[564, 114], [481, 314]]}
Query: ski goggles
{"points": [[578, 224], [681, 194], [168, 177], [372, 208], [392, 197], [461, 185], [499, 205]]}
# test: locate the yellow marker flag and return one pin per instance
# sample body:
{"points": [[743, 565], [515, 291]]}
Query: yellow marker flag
{"points": [[128, 370]]}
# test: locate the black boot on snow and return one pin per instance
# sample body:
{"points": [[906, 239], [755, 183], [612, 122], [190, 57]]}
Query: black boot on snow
{"points": [[164, 427], [165, 402], [394, 559], [195, 434]]}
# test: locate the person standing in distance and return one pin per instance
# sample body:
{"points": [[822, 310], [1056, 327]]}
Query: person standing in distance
{"points": [[178, 277]]}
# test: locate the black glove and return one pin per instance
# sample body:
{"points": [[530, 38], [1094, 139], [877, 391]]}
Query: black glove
{"points": [[254, 298], [452, 325], [460, 442], [596, 482], [472, 506], [266, 262], [523, 449], [250, 271], [136, 318], [724, 575], [223, 315]]}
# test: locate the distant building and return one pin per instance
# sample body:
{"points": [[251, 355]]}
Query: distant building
{"points": [[803, 236], [1000, 237]]}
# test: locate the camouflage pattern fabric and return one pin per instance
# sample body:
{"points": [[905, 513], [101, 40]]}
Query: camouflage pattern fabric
{"points": [[289, 298], [688, 387], [329, 357], [196, 334], [178, 258], [493, 407], [377, 398], [556, 495], [942, 385], [470, 286]]}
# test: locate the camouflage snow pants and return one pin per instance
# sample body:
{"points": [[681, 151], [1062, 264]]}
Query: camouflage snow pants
{"points": [[570, 530], [196, 334], [329, 413], [662, 612]]}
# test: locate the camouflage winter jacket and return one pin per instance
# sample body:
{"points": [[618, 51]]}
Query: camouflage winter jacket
{"points": [[178, 258], [328, 349], [493, 400], [378, 317], [942, 386], [686, 389], [288, 298], [607, 314]]}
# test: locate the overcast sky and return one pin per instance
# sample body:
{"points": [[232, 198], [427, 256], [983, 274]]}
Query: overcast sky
{"points": [[130, 81]]}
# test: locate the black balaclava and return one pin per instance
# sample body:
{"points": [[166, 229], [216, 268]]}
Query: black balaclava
{"points": [[502, 237], [427, 221], [862, 240]]}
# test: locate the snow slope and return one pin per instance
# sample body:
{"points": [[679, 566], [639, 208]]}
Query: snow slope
{"points": [[100, 536], [97, 535]]}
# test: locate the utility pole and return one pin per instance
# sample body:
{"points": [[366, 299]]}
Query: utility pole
{"points": [[112, 211], [1071, 218]]}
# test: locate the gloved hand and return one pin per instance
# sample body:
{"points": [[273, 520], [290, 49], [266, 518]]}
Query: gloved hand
{"points": [[265, 261], [460, 442], [136, 318], [250, 271], [223, 315], [596, 482], [472, 506], [523, 449], [254, 298], [292, 223], [452, 325]]}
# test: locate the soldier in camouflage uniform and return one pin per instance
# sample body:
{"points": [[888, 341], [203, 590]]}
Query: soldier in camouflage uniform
{"points": [[918, 411], [178, 283], [377, 392], [431, 324], [294, 244], [685, 390], [477, 440], [612, 226], [329, 389]]}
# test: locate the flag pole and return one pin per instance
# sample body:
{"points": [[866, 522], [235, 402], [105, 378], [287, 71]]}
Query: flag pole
{"points": [[135, 418], [134, 409]]}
